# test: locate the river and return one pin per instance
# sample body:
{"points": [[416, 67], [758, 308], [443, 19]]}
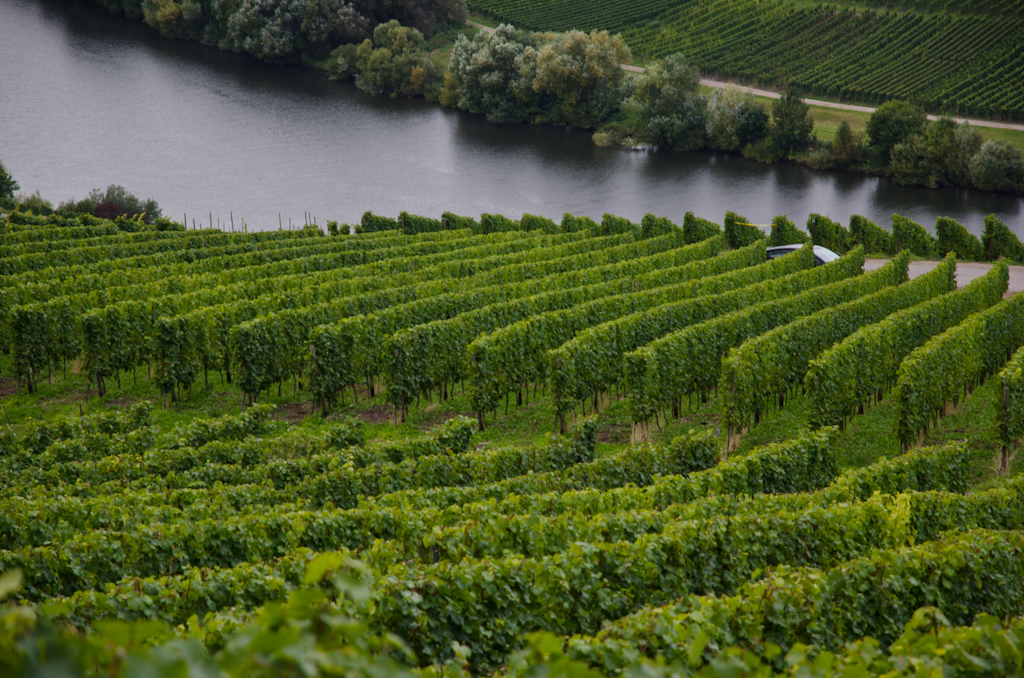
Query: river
{"points": [[89, 99]]}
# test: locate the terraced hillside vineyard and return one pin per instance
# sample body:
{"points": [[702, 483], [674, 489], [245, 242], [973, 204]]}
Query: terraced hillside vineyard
{"points": [[958, 58], [458, 447]]}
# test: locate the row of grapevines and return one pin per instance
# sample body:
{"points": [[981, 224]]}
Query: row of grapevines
{"points": [[512, 595], [739, 232], [54, 228], [59, 323], [348, 350], [767, 368], [203, 258], [863, 366], [434, 354], [999, 241], [591, 361], [254, 268], [832, 235], [57, 244], [194, 327], [963, 574], [94, 558], [873, 237], [956, 361], [112, 249], [910, 235], [1011, 411], [464, 529], [785, 232], [333, 529], [271, 347], [688, 361], [581, 356]]}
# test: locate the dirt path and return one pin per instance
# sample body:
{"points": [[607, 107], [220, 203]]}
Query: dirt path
{"points": [[966, 271], [849, 107], [812, 102]]}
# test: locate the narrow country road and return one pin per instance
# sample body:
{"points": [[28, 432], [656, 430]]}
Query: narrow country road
{"points": [[812, 102], [966, 271]]}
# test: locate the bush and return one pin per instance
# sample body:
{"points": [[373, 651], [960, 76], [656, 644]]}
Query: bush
{"points": [[998, 166]]}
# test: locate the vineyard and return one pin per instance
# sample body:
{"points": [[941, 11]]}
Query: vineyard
{"points": [[457, 446], [967, 59]]}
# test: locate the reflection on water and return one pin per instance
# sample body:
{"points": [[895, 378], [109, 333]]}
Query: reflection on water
{"points": [[92, 99]]}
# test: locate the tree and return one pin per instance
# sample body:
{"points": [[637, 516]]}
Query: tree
{"points": [[791, 126], [911, 162], [7, 185], [395, 63], [483, 75], [735, 119], [998, 166], [950, 148], [891, 124], [666, 108], [847, 147], [577, 77], [290, 30], [116, 201]]}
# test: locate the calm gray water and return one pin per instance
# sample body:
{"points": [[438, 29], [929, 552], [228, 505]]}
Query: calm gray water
{"points": [[88, 99]]}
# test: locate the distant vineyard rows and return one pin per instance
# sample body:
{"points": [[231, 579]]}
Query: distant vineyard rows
{"points": [[970, 62]]}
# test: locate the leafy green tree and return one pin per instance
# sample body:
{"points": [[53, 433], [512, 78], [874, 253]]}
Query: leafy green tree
{"points": [[395, 63], [117, 201], [343, 62], [951, 147], [891, 124], [848, 147], [998, 166], [666, 108], [35, 203], [735, 119], [7, 186], [911, 162], [577, 77], [290, 30], [791, 126], [483, 75]]}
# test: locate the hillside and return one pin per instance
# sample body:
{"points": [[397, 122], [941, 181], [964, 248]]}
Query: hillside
{"points": [[967, 60], [405, 448]]}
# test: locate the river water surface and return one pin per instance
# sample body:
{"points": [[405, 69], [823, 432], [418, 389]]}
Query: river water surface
{"points": [[89, 99]]}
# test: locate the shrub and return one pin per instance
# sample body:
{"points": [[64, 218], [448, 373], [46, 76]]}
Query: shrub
{"points": [[998, 166]]}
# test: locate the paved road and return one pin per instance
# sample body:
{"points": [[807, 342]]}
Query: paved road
{"points": [[966, 271], [812, 102]]}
